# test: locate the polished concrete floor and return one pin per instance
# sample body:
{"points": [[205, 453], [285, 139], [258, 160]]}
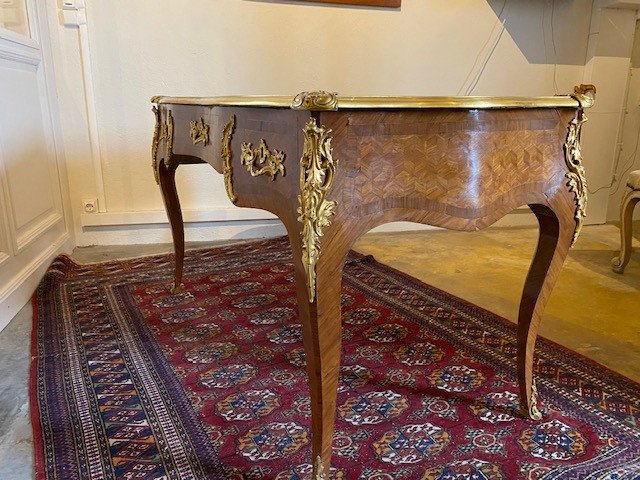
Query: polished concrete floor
{"points": [[592, 310]]}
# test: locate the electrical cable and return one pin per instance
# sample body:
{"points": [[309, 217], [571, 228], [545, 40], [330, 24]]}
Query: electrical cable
{"points": [[600, 188], [462, 88], [486, 62], [555, 52], [544, 37]]}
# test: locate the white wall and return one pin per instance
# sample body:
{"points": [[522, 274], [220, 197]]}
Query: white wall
{"points": [[205, 47]]}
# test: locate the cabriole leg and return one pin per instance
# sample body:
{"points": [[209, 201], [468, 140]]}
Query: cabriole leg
{"points": [[554, 241], [167, 180]]}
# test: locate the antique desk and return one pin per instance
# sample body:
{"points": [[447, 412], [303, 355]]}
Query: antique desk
{"points": [[331, 168]]}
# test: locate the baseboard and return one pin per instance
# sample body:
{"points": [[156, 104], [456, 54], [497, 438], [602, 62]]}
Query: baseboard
{"points": [[117, 220], [224, 223], [146, 227], [20, 289], [194, 232], [159, 217]]}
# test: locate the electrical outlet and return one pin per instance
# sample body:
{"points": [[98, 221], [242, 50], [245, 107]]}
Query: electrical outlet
{"points": [[90, 205]]}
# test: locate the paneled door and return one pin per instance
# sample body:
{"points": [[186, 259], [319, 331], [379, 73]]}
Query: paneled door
{"points": [[33, 188]]}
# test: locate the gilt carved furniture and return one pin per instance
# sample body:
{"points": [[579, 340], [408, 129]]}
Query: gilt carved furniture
{"points": [[629, 200], [331, 168]]}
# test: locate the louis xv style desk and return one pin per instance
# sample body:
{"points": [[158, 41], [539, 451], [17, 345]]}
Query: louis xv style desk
{"points": [[331, 168]]}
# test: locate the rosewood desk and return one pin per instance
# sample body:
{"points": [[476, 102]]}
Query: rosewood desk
{"points": [[331, 168]]}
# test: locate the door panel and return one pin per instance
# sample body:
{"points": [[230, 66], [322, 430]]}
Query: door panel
{"points": [[24, 145], [25, 149], [33, 217], [13, 16]]}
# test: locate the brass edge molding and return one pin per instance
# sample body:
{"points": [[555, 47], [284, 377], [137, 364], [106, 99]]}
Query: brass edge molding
{"points": [[317, 170], [577, 179], [226, 153], [154, 144], [388, 102], [463, 103], [320, 475], [585, 95], [199, 132], [319, 100], [261, 161]]}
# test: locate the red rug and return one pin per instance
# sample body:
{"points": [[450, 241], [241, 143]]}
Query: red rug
{"points": [[130, 382]]}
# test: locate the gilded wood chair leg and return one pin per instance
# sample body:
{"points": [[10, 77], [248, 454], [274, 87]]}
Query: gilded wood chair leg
{"points": [[629, 201], [322, 333], [554, 241], [167, 180]]}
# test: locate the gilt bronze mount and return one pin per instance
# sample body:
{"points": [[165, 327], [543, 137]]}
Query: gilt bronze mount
{"points": [[199, 132], [226, 154], [317, 170], [261, 161]]}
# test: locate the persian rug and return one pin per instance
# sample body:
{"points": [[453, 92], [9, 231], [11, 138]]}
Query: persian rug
{"points": [[131, 382]]}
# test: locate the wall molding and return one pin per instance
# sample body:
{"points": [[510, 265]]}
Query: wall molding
{"points": [[4, 257], [84, 50], [32, 266], [21, 287], [6, 246], [18, 48], [23, 240], [10, 36]]}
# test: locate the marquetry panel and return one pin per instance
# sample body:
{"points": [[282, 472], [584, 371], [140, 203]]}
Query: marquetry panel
{"points": [[451, 159]]}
